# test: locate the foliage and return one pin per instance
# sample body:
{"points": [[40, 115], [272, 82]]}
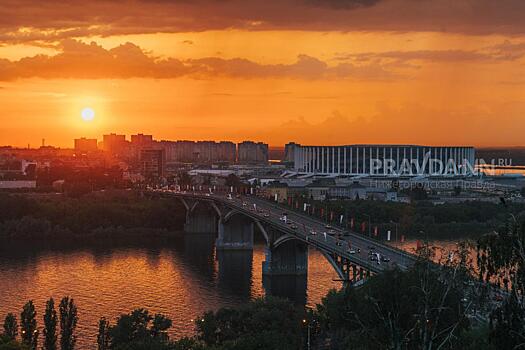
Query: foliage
{"points": [[437, 220], [10, 327], [501, 260], [68, 323], [269, 323], [50, 326], [46, 218], [422, 308], [9, 344], [103, 334], [136, 330], [28, 325]]}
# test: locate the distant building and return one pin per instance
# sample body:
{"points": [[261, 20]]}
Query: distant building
{"points": [[289, 152], [227, 151], [141, 140], [249, 152], [84, 145], [115, 144], [202, 152], [152, 163], [384, 160]]}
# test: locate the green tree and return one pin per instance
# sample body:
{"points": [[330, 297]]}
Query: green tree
{"points": [[10, 344], [269, 323], [422, 308], [160, 326], [103, 334], [136, 330], [10, 327], [68, 323], [233, 180], [501, 259], [28, 325], [50, 326]]}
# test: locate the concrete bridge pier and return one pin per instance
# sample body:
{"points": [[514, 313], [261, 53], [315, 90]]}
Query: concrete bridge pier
{"points": [[288, 258], [201, 221], [235, 233]]}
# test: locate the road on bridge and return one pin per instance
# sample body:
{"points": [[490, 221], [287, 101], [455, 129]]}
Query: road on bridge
{"points": [[363, 251]]}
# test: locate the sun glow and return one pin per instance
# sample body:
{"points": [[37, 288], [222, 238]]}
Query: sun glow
{"points": [[88, 114]]}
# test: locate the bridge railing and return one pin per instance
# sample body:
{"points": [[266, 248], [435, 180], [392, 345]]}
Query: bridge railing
{"points": [[406, 257], [354, 234]]}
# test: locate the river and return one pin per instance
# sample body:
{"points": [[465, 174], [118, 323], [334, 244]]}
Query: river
{"points": [[181, 279]]}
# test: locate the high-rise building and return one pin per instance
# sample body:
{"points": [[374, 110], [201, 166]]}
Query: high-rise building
{"points": [[226, 151], [199, 152], [250, 152], [152, 162], [115, 144], [141, 140], [84, 145], [289, 152]]}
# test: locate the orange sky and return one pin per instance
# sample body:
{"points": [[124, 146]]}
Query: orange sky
{"points": [[311, 71]]}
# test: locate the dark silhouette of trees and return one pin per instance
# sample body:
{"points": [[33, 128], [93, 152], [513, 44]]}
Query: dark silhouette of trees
{"points": [[269, 323], [28, 326], [233, 180], [50, 326], [68, 323], [501, 260], [10, 327], [422, 308], [103, 334], [136, 330]]}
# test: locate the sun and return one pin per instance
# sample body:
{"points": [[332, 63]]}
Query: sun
{"points": [[88, 114]]}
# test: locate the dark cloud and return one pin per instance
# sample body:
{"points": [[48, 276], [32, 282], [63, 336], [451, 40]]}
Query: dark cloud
{"points": [[92, 61], [343, 4], [53, 20]]}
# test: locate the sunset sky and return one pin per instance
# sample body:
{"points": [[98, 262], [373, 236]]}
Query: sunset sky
{"points": [[311, 71]]}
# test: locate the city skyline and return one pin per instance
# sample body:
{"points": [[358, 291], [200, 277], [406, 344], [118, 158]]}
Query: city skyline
{"points": [[335, 72]]}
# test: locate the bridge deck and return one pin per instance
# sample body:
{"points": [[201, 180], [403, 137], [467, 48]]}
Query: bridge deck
{"points": [[301, 227]]}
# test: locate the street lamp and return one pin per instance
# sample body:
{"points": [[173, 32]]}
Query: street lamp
{"points": [[308, 339], [396, 224]]}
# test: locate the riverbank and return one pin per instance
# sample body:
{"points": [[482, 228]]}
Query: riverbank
{"points": [[104, 215]]}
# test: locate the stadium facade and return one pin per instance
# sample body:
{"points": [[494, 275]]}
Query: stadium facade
{"points": [[385, 160]]}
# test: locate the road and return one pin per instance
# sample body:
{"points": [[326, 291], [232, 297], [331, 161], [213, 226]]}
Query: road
{"points": [[353, 246]]}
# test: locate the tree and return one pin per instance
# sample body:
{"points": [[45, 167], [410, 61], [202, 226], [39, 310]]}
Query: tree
{"points": [[10, 327], [233, 180], [501, 259], [269, 323], [134, 330], [160, 326], [68, 323], [9, 344], [50, 326], [422, 308], [103, 334], [28, 325]]}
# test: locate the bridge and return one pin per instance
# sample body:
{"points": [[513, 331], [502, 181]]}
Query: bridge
{"points": [[235, 219]]}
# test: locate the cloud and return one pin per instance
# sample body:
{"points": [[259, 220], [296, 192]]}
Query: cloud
{"points": [[41, 22], [91, 61], [343, 4], [506, 51]]}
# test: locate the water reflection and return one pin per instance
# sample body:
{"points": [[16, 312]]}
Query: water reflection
{"points": [[235, 271], [181, 278], [292, 287]]}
